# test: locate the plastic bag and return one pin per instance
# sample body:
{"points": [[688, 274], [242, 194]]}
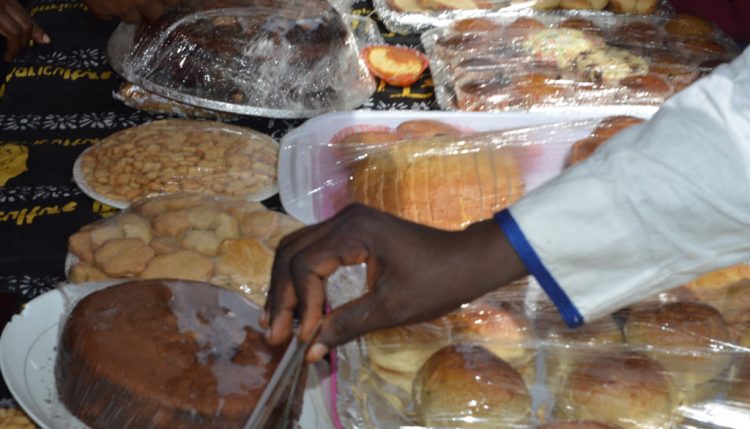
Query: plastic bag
{"points": [[267, 58], [173, 156], [163, 354], [225, 242], [537, 61]]}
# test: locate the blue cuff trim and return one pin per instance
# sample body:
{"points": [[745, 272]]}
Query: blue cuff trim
{"points": [[534, 265]]}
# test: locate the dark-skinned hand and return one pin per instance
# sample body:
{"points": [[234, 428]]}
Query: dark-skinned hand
{"points": [[414, 274], [130, 10], [18, 28]]}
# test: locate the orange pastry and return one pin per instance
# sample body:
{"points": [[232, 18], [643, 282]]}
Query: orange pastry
{"points": [[396, 65], [650, 85]]}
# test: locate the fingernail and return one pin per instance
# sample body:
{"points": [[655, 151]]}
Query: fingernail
{"points": [[317, 351], [45, 39]]}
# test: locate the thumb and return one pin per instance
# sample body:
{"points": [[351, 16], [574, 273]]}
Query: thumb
{"points": [[346, 323], [38, 35]]}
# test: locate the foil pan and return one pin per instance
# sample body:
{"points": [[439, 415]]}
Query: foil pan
{"points": [[409, 22], [344, 90]]}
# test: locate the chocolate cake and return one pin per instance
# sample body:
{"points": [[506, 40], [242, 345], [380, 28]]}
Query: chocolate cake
{"points": [[163, 354], [260, 53]]}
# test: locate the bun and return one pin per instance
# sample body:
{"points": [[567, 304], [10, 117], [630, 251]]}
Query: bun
{"points": [[648, 85], [370, 137], [686, 338], [520, 25], [688, 25], [625, 390], [547, 4], [640, 7], [468, 387], [503, 329], [537, 88], [739, 389], [476, 25], [485, 94], [612, 125], [447, 191], [673, 69], [584, 4], [737, 307], [403, 350], [712, 287], [577, 425], [424, 128]]}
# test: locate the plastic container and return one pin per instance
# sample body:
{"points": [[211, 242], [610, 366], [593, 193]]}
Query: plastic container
{"points": [[246, 57], [414, 16], [518, 62], [314, 167]]}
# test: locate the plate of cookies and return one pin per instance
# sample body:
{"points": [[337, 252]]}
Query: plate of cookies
{"points": [[172, 156], [228, 243]]}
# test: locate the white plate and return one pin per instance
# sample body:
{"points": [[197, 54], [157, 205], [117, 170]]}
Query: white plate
{"points": [[27, 360], [298, 165]]}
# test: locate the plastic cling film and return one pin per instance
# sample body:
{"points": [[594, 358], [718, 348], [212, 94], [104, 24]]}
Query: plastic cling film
{"points": [[225, 242], [247, 57], [163, 353], [538, 61], [172, 156], [138, 98], [412, 16]]}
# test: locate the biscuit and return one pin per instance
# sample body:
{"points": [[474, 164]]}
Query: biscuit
{"points": [[171, 224], [151, 207], [204, 242], [121, 257], [226, 226], [287, 225], [164, 245], [80, 245], [102, 234], [245, 262], [184, 265], [259, 225], [202, 217], [84, 272], [134, 226]]}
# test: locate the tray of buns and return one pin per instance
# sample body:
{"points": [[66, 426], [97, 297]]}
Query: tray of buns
{"points": [[414, 16], [401, 161], [261, 58], [536, 61], [678, 360], [173, 156], [229, 243]]}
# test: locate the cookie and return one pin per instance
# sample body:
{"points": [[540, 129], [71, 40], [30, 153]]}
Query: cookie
{"points": [[171, 224], [245, 262], [80, 245], [204, 242], [83, 272], [183, 264], [123, 257]]}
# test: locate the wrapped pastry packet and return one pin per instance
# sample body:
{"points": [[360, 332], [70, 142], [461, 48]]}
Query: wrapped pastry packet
{"points": [[536, 61], [508, 361], [194, 237], [415, 16], [172, 156], [265, 58]]}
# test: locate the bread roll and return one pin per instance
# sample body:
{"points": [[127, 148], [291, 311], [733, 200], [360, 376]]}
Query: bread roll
{"points": [[463, 386], [502, 329], [626, 390], [712, 288], [640, 7], [404, 349], [737, 308], [547, 4], [688, 339], [607, 128], [584, 4], [688, 25], [425, 128], [577, 425], [437, 184]]}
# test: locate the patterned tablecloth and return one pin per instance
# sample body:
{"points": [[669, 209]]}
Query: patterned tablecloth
{"points": [[55, 101]]}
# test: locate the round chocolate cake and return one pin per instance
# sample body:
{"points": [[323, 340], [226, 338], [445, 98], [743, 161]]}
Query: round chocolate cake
{"points": [[163, 354]]}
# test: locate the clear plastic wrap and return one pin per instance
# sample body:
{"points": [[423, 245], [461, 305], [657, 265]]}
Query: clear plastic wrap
{"points": [[172, 156], [439, 173], [138, 98], [265, 58], [666, 363], [164, 354], [225, 242], [520, 62], [412, 16]]}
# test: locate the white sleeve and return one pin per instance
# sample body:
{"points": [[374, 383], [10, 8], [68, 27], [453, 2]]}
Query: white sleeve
{"points": [[656, 206]]}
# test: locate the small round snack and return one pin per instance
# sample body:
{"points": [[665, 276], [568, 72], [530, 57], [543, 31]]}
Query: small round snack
{"points": [[396, 65], [688, 25], [123, 257], [476, 25], [636, 33], [648, 86], [582, 25], [503, 329], [688, 339], [172, 156], [463, 386], [581, 424], [425, 128], [403, 350], [677, 70], [638, 7], [626, 390]]}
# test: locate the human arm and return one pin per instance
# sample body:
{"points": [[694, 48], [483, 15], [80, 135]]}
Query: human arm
{"points": [[18, 28], [733, 16], [130, 10]]}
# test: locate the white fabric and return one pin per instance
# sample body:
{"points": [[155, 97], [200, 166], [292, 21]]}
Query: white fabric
{"points": [[657, 205]]}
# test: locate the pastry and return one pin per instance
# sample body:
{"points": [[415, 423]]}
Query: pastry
{"points": [[539, 89], [648, 86], [183, 264], [463, 386], [100, 236], [608, 65], [479, 68], [245, 262], [172, 224], [582, 25], [612, 125], [454, 4], [83, 272], [635, 34], [581, 424], [123, 257], [584, 4], [702, 48], [485, 95], [712, 288], [425, 128], [640, 7], [606, 129], [522, 26], [204, 242], [80, 245], [259, 225], [688, 25], [546, 4], [560, 46], [736, 309], [14, 418], [476, 25], [676, 70], [164, 354], [405, 5], [396, 65]]}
